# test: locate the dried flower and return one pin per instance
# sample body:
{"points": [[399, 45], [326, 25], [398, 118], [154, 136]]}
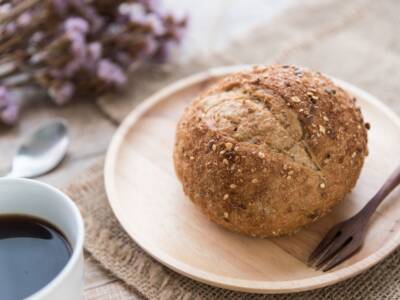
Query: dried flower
{"points": [[24, 19], [75, 24], [110, 72], [73, 47], [9, 108], [62, 93]]}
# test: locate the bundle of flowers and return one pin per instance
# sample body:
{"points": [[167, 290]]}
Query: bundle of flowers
{"points": [[78, 47]]}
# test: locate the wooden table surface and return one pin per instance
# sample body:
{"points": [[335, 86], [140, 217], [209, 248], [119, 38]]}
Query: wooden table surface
{"points": [[213, 23]]}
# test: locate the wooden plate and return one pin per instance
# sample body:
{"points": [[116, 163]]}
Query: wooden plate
{"points": [[148, 200]]}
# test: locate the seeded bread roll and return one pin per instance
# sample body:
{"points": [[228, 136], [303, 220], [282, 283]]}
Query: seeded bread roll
{"points": [[267, 151]]}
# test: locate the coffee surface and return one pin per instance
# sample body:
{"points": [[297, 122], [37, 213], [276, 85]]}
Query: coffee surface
{"points": [[32, 253]]}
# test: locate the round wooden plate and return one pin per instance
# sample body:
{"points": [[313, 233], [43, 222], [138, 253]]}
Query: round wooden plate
{"points": [[148, 200]]}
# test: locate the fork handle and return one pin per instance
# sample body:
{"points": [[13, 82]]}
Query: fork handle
{"points": [[392, 182]]}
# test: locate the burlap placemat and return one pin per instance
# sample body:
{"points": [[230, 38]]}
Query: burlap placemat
{"points": [[354, 40]]}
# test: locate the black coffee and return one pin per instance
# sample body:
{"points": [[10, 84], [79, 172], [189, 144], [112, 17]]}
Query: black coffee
{"points": [[32, 253]]}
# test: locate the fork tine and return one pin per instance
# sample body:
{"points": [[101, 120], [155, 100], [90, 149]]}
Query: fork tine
{"points": [[350, 249], [328, 238], [335, 247]]}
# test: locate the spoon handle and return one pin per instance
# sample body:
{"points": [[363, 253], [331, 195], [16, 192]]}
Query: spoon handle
{"points": [[390, 185]]}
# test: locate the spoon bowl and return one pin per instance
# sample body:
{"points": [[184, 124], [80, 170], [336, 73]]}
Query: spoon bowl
{"points": [[41, 151]]}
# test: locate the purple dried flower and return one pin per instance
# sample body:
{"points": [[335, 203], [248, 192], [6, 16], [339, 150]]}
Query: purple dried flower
{"points": [[111, 73], [135, 11], [3, 92], [37, 37], [9, 108], [156, 24], [95, 50], [6, 98], [93, 55], [81, 46], [62, 93], [24, 19], [76, 29], [11, 28], [5, 8], [78, 44], [76, 24], [9, 115]]}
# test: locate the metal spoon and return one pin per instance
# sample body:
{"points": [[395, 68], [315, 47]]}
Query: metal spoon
{"points": [[41, 151]]}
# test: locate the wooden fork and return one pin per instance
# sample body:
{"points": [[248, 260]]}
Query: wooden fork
{"points": [[346, 238]]}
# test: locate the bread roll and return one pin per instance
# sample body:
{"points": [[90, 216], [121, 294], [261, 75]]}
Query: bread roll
{"points": [[267, 151]]}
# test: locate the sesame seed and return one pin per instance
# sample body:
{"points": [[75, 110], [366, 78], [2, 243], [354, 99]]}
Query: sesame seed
{"points": [[314, 97], [326, 118], [228, 146], [236, 148], [291, 172], [214, 147], [233, 186], [322, 185], [322, 129], [225, 161], [192, 158], [289, 177], [295, 99], [261, 155], [226, 215], [226, 196], [254, 180], [222, 152], [354, 154]]}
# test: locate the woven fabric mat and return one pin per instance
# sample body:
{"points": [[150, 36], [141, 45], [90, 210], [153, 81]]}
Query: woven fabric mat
{"points": [[357, 41]]}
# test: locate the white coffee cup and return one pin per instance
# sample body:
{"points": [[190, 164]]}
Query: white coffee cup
{"points": [[33, 198]]}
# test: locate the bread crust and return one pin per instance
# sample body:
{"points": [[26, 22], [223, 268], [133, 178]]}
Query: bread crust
{"points": [[267, 151]]}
